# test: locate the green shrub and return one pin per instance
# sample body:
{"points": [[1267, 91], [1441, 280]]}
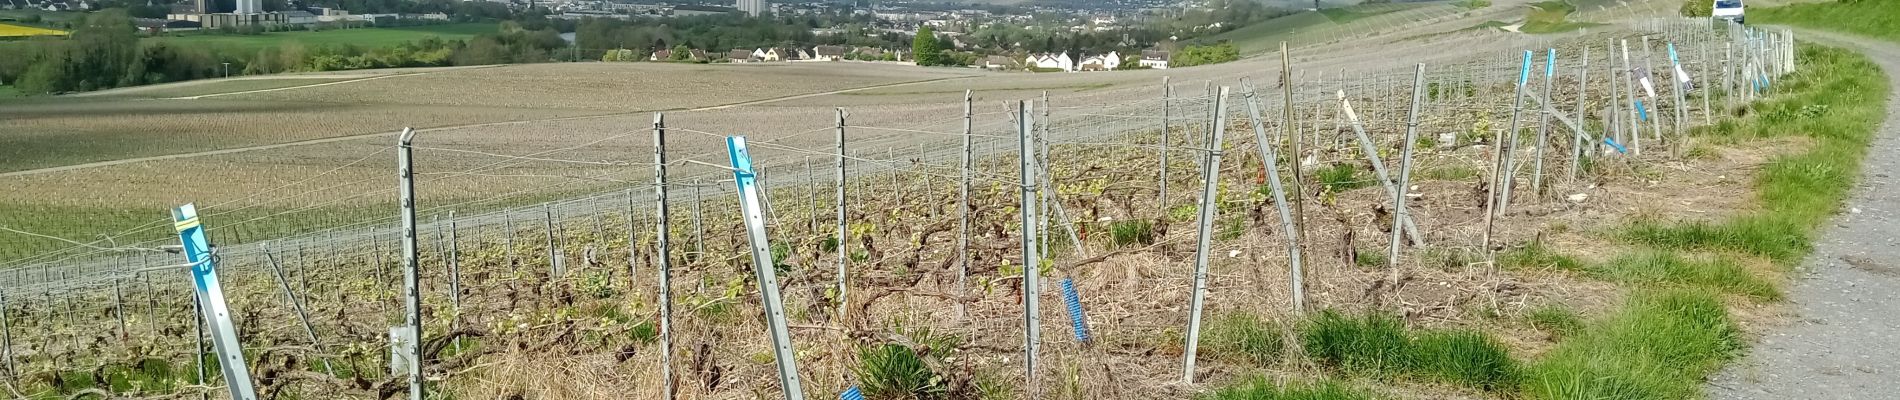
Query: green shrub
{"points": [[1697, 8], [1243, 337], [894, 371]]}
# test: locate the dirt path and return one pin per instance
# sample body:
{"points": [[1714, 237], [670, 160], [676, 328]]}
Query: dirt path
{"points": [[1844, 338], [446, 128]]}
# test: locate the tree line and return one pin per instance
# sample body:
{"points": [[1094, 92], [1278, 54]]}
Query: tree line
{"points": [[105, 51]]}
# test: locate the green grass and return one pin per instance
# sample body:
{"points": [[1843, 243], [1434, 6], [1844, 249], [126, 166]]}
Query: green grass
{"points": [[1556, 319], [1663, 342], [893, 371], [1835, 99], [8, 92], [1342, 177], [1349, 14], [1132, 232], [1244, 337], [1380, 345], [1261, 388], [1447, 173], [362, 37], [1658, 346], [1651, 267], [1873, 18], [1551, 17]]}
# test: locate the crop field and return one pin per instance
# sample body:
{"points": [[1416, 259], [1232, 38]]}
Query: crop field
{"points": [[15, 31], [215, 87], [363, 37], [1336, 25], [542, 273]]}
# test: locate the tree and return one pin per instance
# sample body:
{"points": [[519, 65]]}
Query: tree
{"points": [[681, 53], [925, 47]]}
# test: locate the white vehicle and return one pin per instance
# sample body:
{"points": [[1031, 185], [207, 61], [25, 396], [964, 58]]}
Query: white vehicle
{"points": [[1730, 10]]}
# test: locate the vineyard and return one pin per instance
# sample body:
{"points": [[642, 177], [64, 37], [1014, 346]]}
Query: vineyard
{"points": [[1178, 244]]}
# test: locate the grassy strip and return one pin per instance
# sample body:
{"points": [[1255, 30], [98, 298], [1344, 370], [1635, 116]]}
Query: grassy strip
{"points": [[1549, 17], [1663, 343], [1658, 346], [1875, 18], [1376, 345], [1837, 100], [1652, 267]]}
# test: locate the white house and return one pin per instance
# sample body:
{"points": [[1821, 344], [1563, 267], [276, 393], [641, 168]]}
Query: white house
{"points": [[1050, 61], [1100, 62], [759, 54], [1156, 59]]}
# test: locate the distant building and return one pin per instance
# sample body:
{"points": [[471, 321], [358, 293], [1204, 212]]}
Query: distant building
{"points": [[1156, 59], [828, 53], [1001, 62], [1059, 61], [1100, 62], [753, 8], [740, 55]]}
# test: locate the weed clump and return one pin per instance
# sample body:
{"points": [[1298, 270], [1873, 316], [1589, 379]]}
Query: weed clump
{"points": [[1244, 337], [894, 371], [1659, 346], [1260, 388], [1379, 344]]}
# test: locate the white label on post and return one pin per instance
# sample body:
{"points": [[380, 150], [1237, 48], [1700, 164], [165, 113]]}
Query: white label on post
{"points": [[402, 342]]}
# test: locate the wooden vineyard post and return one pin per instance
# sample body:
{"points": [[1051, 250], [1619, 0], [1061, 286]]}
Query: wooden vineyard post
{"points": [[1272, 164], [1032, 264], [963, 209], [297, 305], [1498, 172], [1400, 213], [699, 228], [1378, 166], [1293, 147], [1210, 176], [1167, 124], [1543, 131], [1655, 111], [764, 267], [412, 281], [1708, 90], [1578, 141], [1636, 107], [663, 255], [1678, 81], [844, 250], [633, 246], [455, 277], [554, 252]]}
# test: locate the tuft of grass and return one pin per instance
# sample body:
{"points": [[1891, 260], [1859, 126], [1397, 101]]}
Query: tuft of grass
{"points": [[1368, 258], [1244, 337], [1557, 319], [1464, 357], [1375, 343], [1659, 346], [1448, 173], [893, 371], [1130, 232], [1379, 344], [1551, 17], [1536, 255], [1342, 177], [1261, 388]]}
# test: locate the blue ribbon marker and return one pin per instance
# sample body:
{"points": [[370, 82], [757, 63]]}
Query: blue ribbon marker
{"points": [[1612, 142], [1076, 318], [1642, 114], [851, 394]]}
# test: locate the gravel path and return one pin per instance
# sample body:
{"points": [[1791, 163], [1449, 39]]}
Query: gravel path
{"points": [[1843, 341]]}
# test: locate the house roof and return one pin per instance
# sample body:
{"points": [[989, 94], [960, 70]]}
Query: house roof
{"points": [[739, 54], [1154, 54], [829, 51]]}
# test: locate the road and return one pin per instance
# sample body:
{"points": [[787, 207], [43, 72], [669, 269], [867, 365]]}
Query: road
{"points": [[1843, 341]]}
